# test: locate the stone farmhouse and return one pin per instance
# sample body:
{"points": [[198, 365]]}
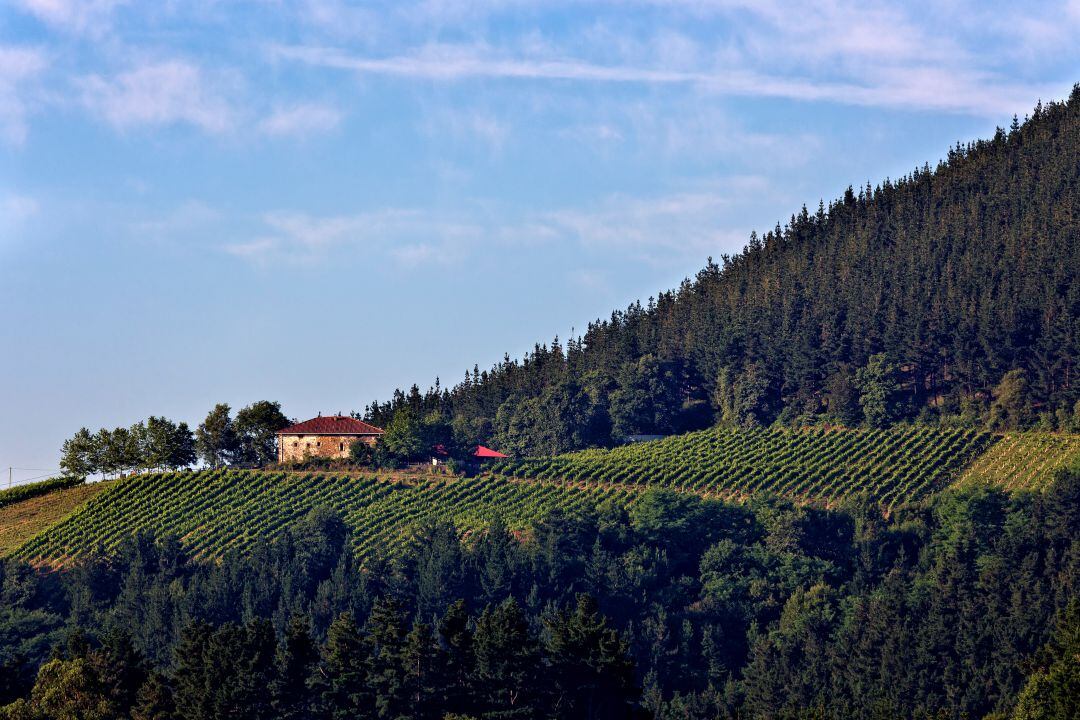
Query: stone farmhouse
{"points": [[328, 437]]}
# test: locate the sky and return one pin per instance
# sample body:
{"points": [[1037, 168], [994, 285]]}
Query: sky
{"points": [[317, 202]]}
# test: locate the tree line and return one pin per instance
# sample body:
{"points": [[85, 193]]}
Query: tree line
{"points": [[161, 444], [948, 296], [967, 605]]}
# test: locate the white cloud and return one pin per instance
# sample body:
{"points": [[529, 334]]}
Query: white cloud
{"points": [[657, 230], [949, 90], [17, 209], [339, 19], [410, 237], [592, 280], [666, 229], [256, 249], [301, 120], [190, 218], [466, 124], [17, 67], [461, 62], [81, 17], [164, 93]]}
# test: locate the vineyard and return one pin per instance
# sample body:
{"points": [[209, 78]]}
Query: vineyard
{"points": [[23, 520], [1023, 461], [216, 510], [817, 464]]}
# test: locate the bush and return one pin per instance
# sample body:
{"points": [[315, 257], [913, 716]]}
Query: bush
{"points": [[32, 490]]}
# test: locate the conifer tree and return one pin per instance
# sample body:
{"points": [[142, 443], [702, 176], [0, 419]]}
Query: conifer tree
{"points": [[296, 657], [339, 682], [506, 659]]}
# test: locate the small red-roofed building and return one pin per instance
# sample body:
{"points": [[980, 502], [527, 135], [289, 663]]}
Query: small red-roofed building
{"points": [[484, 453], [440, 455], [329, 436]]}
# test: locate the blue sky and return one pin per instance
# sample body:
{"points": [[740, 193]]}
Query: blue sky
{"points": [[317, 202]]}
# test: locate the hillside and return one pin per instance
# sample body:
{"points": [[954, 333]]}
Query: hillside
{"points": [[958, 609], [813, 465], [21, 521], [216, 510], [213, 511], [1022, 461], [941, 283]]}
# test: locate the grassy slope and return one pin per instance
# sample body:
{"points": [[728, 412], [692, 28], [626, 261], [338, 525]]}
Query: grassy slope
{"points": [[22, 521], [1022, 461]]}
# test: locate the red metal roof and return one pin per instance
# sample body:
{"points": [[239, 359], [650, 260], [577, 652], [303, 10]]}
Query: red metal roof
{"points": [[332, 425], [483, 452]]}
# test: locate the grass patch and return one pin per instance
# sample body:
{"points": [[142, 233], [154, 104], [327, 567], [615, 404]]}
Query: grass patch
{"points": [[24, 520]]}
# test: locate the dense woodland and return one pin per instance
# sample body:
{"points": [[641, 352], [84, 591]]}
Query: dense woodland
{"points": [[964, 607], [949, 295]]}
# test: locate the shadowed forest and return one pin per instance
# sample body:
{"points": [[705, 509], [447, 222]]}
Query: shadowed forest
{"points": [[964, 606]]}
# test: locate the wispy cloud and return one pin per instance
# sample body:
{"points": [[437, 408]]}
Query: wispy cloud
{"points": [[163, 93], [301, 120], [17, 67], [917, 87], [659, 230], [410, 237], [338, 18], [82, 17], [190, 218], [466, 124], [16, 209]]}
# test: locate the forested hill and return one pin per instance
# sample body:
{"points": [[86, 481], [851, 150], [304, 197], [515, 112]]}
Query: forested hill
{"points": [[949, 294]]}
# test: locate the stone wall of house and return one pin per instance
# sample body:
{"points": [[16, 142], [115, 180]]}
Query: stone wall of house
{"points": [[296, 447]]}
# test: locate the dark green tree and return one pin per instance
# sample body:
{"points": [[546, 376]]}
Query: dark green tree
{"points": [[215, 440], [457, 643], [1052, 691], [592, 674], [339, 684], [293, 665], [1011, 408], [877, 386], [385, 635], [77, 454], [424, 666], [256, 427], [405, 436], [507, 660]]}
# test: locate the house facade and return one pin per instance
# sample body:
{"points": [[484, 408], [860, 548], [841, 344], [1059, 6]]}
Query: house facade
{"points": [[331, 436]]}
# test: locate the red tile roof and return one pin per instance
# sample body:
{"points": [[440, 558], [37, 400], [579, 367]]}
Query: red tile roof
{"points": [[331, 425]]}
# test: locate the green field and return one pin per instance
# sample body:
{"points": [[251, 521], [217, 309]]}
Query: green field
{"points": [[19, 522], [1022, 461], [216, 510], [815, 464]]}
